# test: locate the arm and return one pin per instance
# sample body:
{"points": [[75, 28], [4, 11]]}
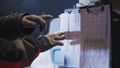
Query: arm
{"points": [[10, 50], [11, 26], [20, 24], [48, 41]]}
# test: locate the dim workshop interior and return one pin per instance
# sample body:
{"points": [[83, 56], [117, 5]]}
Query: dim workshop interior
{"points": [[91, 28]]}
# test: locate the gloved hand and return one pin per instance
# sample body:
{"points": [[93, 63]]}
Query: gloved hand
{"points": [[30, 21], [48, 41], [53, 39]]}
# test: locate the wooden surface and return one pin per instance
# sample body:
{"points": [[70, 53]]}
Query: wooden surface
{"points": [[95, 34]]}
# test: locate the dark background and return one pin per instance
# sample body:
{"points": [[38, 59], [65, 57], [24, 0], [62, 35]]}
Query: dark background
{"points": [[54, 7]]}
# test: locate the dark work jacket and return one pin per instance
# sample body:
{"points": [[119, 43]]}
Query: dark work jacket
{"points": [[17, 46]]}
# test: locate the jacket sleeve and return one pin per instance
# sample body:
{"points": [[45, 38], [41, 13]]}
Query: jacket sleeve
{"points": [[11, 50], [11, 27]]}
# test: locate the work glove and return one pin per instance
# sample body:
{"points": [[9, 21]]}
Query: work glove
{"points": [[30, 21], [48, 41]]}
